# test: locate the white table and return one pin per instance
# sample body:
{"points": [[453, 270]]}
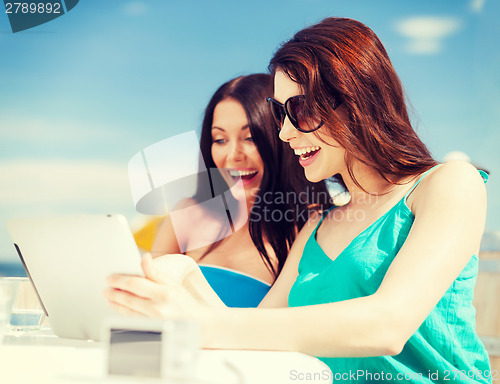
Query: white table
{"points": [[41, 357]]}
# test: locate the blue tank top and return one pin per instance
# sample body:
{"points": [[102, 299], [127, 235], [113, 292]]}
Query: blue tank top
{"points": [[444, 345]]}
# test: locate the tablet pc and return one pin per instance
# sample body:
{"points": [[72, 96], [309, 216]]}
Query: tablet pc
{"points": [[68, 259]]}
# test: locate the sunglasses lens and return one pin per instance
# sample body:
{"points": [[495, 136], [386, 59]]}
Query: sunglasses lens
{"points": [[278, 112], [301, 116]]}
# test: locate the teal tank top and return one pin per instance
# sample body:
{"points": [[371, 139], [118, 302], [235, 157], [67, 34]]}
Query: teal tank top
{"points": [[444, 349]]}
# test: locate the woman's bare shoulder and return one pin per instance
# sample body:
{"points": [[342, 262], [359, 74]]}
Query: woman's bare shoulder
{"points": [[192, 207], [185, 203], [453, 181]]}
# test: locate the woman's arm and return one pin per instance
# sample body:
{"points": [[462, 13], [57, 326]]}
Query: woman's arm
{"points": [[277, 297], [449, 207]]}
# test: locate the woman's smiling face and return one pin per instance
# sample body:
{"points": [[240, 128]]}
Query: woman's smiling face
{"points": [[233, 149], [320, 160]]}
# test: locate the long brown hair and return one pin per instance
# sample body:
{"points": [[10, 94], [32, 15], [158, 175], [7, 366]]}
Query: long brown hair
{"points": [[283, 179], [342, 61]]}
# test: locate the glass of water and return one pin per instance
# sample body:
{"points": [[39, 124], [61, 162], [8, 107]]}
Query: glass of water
{"points": [[27, 312], [7, 294]]}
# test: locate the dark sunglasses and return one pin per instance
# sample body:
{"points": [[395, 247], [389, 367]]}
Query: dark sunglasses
{"points": [[296, 109]]}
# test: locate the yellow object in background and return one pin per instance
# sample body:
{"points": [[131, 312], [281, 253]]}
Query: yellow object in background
{"points": [[146, 236]]}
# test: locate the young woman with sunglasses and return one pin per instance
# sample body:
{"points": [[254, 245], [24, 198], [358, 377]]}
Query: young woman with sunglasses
{"points": [[381, 288], [238, 138]]}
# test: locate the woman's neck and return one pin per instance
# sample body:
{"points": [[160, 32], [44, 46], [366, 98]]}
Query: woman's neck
{"points": [[371, 184]]}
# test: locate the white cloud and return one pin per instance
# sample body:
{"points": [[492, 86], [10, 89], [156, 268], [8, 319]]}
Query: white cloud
{"points": [[477, 5], [428, 27], [136, 8], [426, 33], [457, 155]]}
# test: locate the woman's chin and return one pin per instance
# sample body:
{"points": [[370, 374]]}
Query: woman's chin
{"points": [[313, 177], [247, 194]]}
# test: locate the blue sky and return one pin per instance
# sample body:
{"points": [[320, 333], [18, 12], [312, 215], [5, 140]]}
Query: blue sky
{"points": [[81, 95]]}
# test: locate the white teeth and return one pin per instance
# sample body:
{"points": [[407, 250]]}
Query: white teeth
{"points": [[303, 151], [236, 173]]}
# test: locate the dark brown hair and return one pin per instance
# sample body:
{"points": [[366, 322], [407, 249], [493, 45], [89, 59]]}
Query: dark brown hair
{"points": [[342, 61], [282, 178]]}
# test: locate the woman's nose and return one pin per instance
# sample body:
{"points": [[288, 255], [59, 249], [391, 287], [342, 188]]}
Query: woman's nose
{"points": [[236, 152], [288, 131]]}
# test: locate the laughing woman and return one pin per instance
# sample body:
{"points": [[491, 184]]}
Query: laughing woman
{"points": [[381, 288], [238, 138]]}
